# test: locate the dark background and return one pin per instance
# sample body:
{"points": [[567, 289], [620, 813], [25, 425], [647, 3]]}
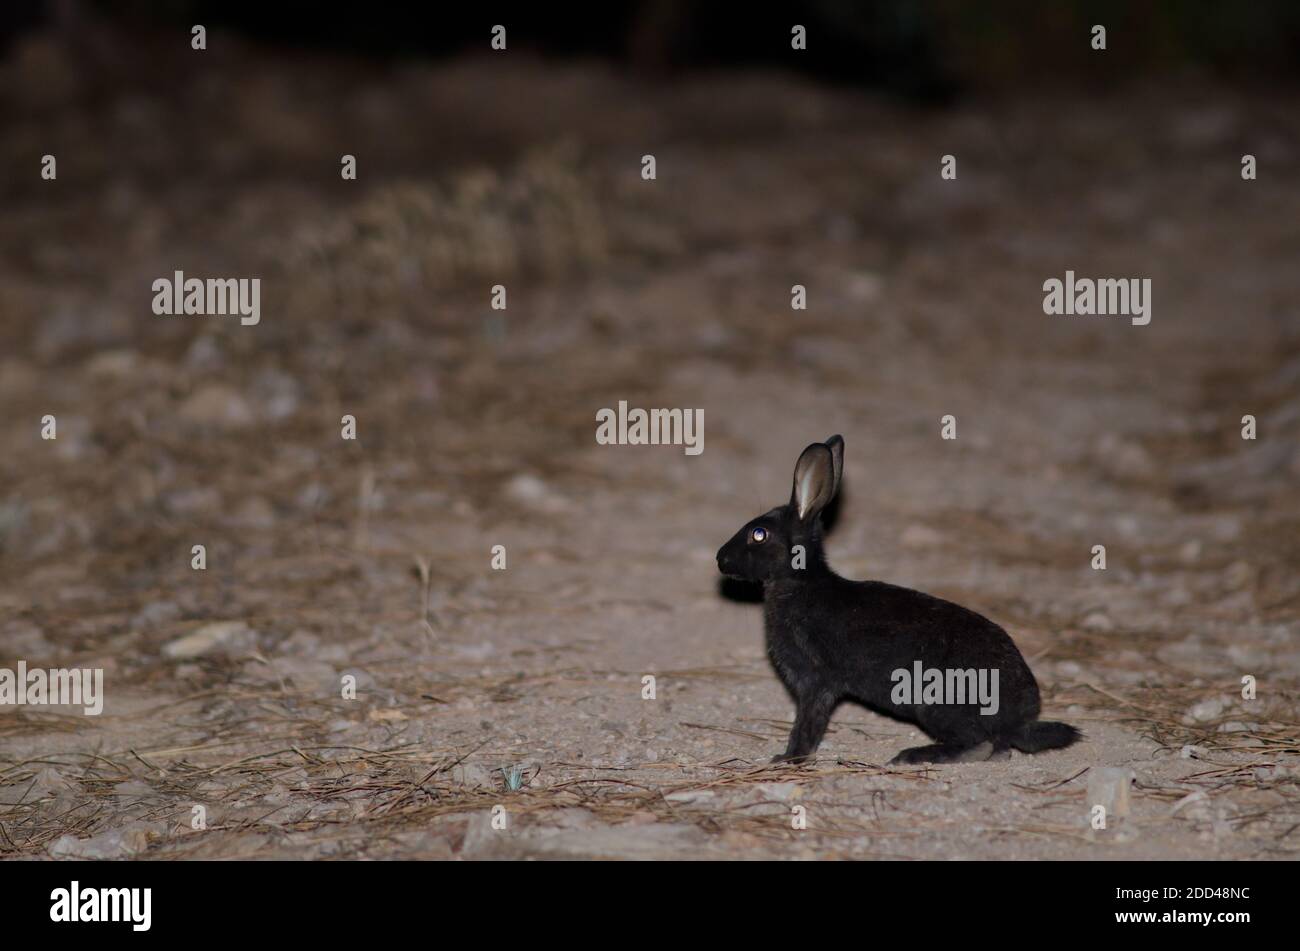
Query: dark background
{"points": [[927, 50]]}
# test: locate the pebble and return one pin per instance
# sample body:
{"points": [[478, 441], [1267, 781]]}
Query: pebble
{"points": [[779, 791], [216, 404], [224, 636], [1098, 621], [1108, 786], [1207, 709], [116, 843], [1236, 726], [113, 363], [529, 490], [154, 614]]}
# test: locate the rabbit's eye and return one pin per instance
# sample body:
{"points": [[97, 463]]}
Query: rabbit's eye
{"points": [[758, 534]]}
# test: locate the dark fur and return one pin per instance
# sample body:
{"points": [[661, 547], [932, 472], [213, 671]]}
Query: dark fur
{"points": [[831, 639]]}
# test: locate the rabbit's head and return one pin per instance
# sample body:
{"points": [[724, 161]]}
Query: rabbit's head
{"points": [[764, 549]]}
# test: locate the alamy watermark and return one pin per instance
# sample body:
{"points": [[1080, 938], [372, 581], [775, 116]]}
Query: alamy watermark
{"points": [[76, 904], [949, 686], [1104, 297], [653, 427], [179, 295], [57, 687]]}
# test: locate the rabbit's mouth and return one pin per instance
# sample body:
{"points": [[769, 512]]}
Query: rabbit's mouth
{"points": [[728, 568]]}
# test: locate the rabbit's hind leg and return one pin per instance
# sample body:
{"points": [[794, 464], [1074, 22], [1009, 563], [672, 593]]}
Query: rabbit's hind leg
{"points": [[944, 753], [1001, 749], [962, 738]]}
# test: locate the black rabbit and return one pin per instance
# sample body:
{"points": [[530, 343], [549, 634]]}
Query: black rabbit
{"points": [[831, 639]]}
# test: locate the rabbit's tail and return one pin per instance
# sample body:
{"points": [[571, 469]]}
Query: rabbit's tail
{"points": [[1043, 735]]}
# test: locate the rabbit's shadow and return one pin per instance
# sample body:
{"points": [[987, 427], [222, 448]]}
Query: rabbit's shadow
{"points": [[751, 592]]}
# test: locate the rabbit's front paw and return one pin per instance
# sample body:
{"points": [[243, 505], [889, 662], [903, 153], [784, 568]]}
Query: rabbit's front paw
{"points": [[794, 759]]}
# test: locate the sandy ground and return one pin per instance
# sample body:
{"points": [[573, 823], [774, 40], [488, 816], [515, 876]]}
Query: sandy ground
{"points": [[522, 688]]}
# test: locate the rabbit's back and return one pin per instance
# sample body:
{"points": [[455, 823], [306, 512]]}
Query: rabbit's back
{"points": [[861, 632]]}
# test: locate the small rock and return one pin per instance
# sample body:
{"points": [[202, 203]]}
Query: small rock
{"points": [[300, 642], [224, 636], [1108, 786], [480, 651], [863, 286], [155, 613], [1128, 526], [1068, 668], [113, 363], [311, 496], [204, 353], [529, 490], [276, 393], [1238, 574], [116, 843], [216, 404], [639, 819], [1125, 457], [1098, 621], [192, 501], [1276, 772], [311, 675], [1235, 726], [779, 791], [1207, 709], [1196, 805], [1126, 833], [50, 780], [338, 655]]}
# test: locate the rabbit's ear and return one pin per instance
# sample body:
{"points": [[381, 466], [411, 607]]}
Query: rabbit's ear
{"points": [[814, 481], [836, 445]]}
